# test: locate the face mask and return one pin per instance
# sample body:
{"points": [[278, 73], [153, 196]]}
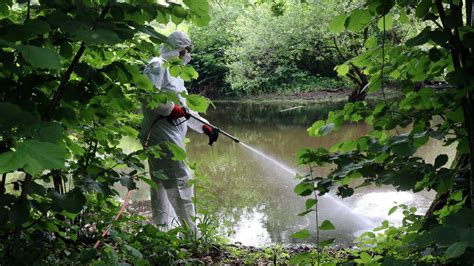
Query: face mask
{"points": [[186, 58]]}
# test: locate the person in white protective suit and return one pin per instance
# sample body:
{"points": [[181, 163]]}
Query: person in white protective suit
{"points": [[168, 122]]}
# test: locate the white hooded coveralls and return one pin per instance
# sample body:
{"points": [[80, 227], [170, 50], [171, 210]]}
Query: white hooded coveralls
{"points": [[171, 176]]}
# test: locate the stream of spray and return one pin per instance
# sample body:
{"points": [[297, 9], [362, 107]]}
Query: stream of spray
{"points": [[366, 222]]}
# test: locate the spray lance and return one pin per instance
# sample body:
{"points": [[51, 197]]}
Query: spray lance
{"points": [[218, 129]]}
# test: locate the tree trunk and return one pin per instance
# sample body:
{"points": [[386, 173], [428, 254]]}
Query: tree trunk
{"points": [[467, 106], [460, 161]]}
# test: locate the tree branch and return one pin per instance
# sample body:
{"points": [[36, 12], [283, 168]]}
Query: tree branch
{"points": [[28, 11], [65, 78], [469, 12], [4, 179], [23, 197], [442, 17], [338, 50]]}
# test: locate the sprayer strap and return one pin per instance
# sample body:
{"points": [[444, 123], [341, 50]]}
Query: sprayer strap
{"points": [[148, 135]]}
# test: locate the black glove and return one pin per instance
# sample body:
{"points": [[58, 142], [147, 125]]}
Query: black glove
{"points": [[211, 132]]}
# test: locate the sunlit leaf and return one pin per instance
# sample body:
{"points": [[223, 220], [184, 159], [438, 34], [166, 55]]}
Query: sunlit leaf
{"points": [[310, 203], [358, 19], [337, 24], [327, 225], [302, 234], [179, 153], [197, 103], [392, 210], [388, 22], [304, 189]]}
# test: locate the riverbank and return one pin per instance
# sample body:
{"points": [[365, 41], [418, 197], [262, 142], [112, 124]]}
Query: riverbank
{"points": [[225, 253], [318, 96], [301, 254]]}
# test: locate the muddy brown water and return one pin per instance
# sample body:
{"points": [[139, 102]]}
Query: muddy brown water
{"points": [[253, 199]]}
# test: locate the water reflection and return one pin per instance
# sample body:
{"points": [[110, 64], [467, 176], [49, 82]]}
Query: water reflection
{"points": [[256, 197]]}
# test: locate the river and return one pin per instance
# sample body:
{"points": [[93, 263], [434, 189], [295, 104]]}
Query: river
{"points": [[253, 198]]}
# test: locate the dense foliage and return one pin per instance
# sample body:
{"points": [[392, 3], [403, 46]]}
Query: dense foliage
{"points": [[255, 47], [442, 51], [71, 90]]}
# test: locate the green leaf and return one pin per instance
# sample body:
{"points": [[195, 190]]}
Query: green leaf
{"points": [[158, 37], [314, 129], [337, 24], [392, 210], [326, 242], [304, 189], [201, 20], [200, 7], [388, 22], [10, 161], [134, 252], [403, 17], [72, 201], [404, 149], [12, 116], [302, 234], [48, 132], [179, 154], [327, 225], [302, 259], [457, 249], [371, 42], [348, 146], [305, 212], [456, 116], [4, 10], [342, 70], [190, 72], [423, 8], [175, 71], [441, 160], [422, 38], [375, 84], [310, 203], [128, 182], [358, 20], [39, 57], [150, 182], [197, 103], [364, 258], [345, 191], [34, 156], [37, 189], [463, 146]]}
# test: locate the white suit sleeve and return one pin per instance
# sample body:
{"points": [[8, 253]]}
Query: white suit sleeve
{"points": [[195, 124], [155, 73]]}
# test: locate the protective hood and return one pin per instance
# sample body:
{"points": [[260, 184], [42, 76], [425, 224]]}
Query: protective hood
{"points": [[177, 41]]}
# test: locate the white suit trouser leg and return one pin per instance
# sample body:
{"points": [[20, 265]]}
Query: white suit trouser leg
{"points": [[179, 198]]}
